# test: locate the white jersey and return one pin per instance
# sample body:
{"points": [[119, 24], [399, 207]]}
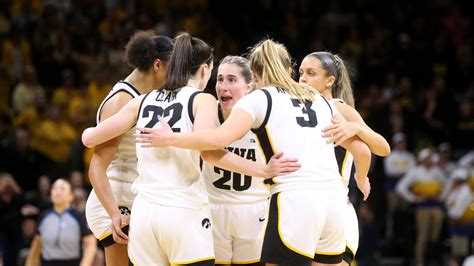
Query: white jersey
{"points": [[123, 166], [344, 158], [169, 176], [283, 123], [398, 163], [225, 186]]}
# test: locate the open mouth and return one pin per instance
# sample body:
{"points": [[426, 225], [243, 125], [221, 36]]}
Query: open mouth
{"points": [[226, 99]]}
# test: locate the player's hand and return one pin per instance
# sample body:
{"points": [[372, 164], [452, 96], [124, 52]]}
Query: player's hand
{"points": [[363, 184], [278, 165], [155, 137], [118, 221], [340, 131]]}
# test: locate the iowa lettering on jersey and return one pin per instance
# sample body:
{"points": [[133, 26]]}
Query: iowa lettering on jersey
{"points": [[237, 183], [166, 96], [248, 154]]}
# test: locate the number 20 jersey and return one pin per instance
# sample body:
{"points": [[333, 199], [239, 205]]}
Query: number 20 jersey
{"points": [[169, 176], [227, 187], [283, 123]]}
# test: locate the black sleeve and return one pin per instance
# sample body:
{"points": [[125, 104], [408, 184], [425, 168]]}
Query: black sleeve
{"points": [[81, 219]]}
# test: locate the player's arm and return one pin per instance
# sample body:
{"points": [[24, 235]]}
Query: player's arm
{"points": [[113, 126], [339, 131], [35, 252], [205, 115], [101, 158], [362, 158]]}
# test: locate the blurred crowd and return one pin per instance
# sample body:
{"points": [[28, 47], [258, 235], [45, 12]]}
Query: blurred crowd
{"points": [[412, 65]]}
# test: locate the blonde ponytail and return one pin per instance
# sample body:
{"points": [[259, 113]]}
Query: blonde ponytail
{"points": [[271, 63], [343, 88]]}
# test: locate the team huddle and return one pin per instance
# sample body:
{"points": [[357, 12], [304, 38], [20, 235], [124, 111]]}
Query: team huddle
{"points": [[250, 179]]}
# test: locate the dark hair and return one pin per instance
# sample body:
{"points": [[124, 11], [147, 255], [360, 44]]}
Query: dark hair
{"points": [[144, 48], [335, 66], [188, 55]]}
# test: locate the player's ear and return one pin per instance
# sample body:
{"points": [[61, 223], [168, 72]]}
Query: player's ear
{"points": [[330, 81], [157, 64], [203, 70]]}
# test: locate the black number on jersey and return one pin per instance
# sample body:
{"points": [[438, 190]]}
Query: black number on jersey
{"points": [[236, 180], [175, 110], [310, 119]]}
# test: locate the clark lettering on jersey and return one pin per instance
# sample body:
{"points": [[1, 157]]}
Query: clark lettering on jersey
{"points": [[166, 96], [248, 154], [280, 90]]}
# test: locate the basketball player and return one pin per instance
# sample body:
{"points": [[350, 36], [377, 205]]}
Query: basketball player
{"points": [[113, 166], [287, 116], [171, 222], [328, 74], [238, 202]]}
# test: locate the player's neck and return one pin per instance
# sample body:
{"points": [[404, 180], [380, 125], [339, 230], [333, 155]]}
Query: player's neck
{"points": [[195, 83], [141, 81], [225, 113], [327, 94]]}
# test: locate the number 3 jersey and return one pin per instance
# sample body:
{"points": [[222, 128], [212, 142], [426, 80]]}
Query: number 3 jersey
{"points": [[225, 186], [283, 123], [169, 176]]}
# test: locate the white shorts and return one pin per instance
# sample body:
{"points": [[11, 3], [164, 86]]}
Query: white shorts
{"points": [[305, 224], [238, 231], [97, 217], [351, 229], [164, 235]]}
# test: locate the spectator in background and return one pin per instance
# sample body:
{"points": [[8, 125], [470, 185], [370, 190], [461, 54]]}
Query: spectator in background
{"points": [[54, 132], [11, 202], [27, 90], [79, 200], [61, 233], [422, 186], [460, 209], [76, 178], [445, 159], [28, 231], [467, 161], [16, 54], [396, 165], [368, 229], [40, 197], [23, 162], [465, 125]]}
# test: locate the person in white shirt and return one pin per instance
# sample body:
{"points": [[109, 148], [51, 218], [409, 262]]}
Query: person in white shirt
{"points": [[113, 166], [238, 202], [396, 165], [328, 74], [423, 186], [460, 209]]}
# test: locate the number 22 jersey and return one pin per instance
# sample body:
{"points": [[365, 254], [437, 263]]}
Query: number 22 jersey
{"points": [[169, 176], [227, 187]]}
